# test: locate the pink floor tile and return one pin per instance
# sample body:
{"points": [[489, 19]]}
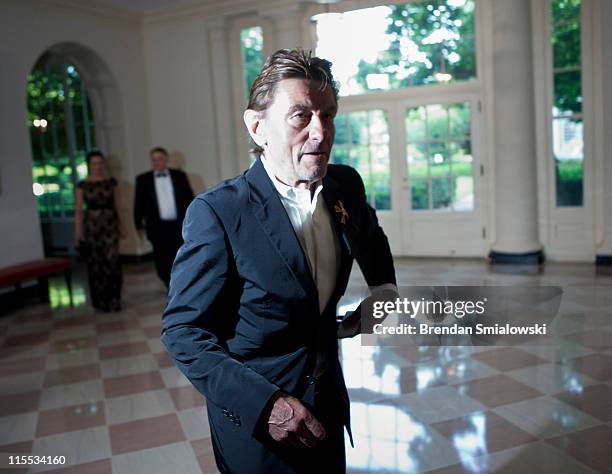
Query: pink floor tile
{"points": [[144, 434], [508, 358], [71, 418], [497, 433], [497, 390], [19, 367], [129, 384], [72, 375], [19, 403], [592, 447], [124, 350]]}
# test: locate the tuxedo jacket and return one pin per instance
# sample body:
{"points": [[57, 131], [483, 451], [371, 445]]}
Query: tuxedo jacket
{"points": [[146, 210], [243, 318]]}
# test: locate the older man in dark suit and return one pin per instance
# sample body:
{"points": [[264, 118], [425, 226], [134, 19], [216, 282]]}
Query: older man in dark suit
{"points": [[160, 201], [251, 317]]}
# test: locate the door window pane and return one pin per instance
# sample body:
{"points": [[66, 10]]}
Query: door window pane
{"points": [[463, 193], [567, 132], [58, 108], [419, 191], [441, 193], [251, 46], [363, 143], [417, 160], [461, 157], [459, 120], [569, 156], [415, 124], [437, 122], [568, 92], [439, 156]]}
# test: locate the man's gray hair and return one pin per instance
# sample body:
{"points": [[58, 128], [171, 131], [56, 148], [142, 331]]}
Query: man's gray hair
{"points": [[288, 64]]}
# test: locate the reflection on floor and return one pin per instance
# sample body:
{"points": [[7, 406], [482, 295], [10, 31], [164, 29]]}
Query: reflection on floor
{"points": [[100, 390]]}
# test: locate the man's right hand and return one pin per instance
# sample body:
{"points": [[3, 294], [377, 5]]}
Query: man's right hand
{"points": [[292, 424]]}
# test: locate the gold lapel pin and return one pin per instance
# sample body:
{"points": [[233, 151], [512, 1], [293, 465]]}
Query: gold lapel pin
{"points": [[344, 215]]}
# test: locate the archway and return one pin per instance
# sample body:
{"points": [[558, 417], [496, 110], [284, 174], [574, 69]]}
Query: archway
{"points": [[73, 107]]}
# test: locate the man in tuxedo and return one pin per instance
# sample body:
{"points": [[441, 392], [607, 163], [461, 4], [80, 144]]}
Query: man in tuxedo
{"points": [[160, 201], [251, 316]]}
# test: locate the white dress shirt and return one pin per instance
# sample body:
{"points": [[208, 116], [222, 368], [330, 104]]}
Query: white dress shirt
{"points": [[165, 196], [312, 223]]}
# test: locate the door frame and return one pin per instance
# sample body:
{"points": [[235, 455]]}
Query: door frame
{"points": [[397, 220]]}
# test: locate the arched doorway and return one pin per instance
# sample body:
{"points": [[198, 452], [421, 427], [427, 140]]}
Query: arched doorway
{"points": [[70, 95], [62, 131]]}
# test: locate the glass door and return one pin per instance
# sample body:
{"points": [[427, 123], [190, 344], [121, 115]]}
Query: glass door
{"points": [[421, 170], [441, 188]]}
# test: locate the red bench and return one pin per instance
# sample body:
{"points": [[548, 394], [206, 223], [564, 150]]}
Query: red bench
{"points": [[39, 270]]}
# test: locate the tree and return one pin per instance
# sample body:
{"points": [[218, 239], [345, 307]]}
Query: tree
{"points": [[252, 55], [566, 55], [426, 37], [52, 167]]}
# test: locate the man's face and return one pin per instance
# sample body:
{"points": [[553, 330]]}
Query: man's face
{"points": [[159, 161], [299, 131]]}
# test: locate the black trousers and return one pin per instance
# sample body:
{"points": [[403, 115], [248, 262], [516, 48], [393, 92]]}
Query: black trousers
{"points": [[166, 240]]}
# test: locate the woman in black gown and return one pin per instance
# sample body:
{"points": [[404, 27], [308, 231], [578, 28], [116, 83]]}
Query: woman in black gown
{"points": [[97, 232]]}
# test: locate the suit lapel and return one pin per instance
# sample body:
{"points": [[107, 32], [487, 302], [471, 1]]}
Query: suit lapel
{"points": [[153, 193], [272, 216]]}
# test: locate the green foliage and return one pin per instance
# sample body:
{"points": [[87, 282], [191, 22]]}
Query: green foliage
{"points": [[440, 193], [567, 92], [361, 142], [442, 32], [52, 167], [251, 40], [566, 55], [438, 152], [569, 182], [420, 194]]}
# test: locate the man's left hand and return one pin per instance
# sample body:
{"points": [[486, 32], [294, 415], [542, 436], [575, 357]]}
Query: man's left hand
{"points": [[292, 424]]}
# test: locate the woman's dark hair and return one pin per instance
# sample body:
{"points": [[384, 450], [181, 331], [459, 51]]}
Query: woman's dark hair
{"points": [[92, 154]]}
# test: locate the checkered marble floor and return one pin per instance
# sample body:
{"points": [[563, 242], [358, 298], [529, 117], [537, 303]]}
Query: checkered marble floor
{"points": [[100, 390]]}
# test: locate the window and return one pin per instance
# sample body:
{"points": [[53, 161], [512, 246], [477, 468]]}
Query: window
{"points": [[61, 133], [251, 46], [439, 157], [397, 46], [362, 141], [567, 131]]}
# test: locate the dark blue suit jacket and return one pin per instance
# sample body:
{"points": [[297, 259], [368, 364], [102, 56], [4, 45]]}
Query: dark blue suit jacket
{"points": [[243, 319]]}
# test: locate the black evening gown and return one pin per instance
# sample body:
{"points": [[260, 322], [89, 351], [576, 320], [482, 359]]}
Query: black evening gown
{"points": [[101, 235]]}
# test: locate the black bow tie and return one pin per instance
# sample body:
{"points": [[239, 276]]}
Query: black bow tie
{"points": [[161, 174]]}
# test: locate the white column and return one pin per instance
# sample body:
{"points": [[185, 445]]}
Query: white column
{"points": [[516, 203], [223, 99], [287, 24]]}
